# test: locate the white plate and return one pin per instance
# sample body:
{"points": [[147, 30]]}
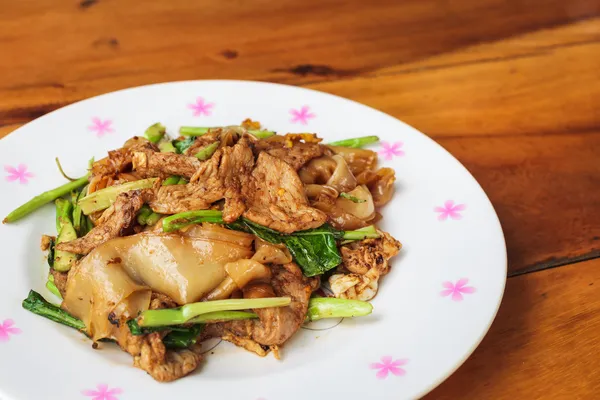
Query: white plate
{"points": [[431, 312]]}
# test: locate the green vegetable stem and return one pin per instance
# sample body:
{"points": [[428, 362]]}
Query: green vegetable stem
{"points": [[38, 305], [325, 307], [104, 198], [193, 130], [207, 151], [356, 142], [155, 132], [43, 199], [183, 314]]}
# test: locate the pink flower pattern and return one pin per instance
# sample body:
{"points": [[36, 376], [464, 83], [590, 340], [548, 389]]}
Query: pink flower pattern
{"points": [[200, 107], [302, 116], [20, 173], [457, 290], [7, 329], [390, 150], [103, 393], [387, 365], [450, 210], [101, 127]]}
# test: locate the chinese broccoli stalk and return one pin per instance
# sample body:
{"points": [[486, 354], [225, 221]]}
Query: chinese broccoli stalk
{"points": [[356, 142], [104, 198], [186, 313], [44, 198]]}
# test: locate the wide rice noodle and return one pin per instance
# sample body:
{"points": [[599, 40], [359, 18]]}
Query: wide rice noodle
{"points": [[119, 275]]}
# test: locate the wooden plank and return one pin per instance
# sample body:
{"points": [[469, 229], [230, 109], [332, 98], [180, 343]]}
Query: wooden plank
{"points": [[546, 191], [544, 343], [522, 116], [537, 83], [64, 51]]}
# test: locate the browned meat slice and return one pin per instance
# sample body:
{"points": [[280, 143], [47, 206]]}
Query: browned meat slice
{"points": [[275, 197], [278, 324], [179, 198], [203, 141], [227, 136], [222, 177], [288, 149], [60, 281], [149, 353], [114, 222], [121, 159], [364, 262], [149, 164]]}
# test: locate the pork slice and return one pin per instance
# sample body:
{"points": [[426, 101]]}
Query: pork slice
{"points": [[275, 197], [115, 222], [296, 155], [276, 325], [121, 159], [150, 164]]}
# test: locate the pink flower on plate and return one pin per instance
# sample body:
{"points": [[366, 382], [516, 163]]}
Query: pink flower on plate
{"points": [[390, 150], [457, 290], [20, 173], [387, 365], [101, 127], [450, 210], [103, 393], [302, 115], [7, 329], [200, 107]]}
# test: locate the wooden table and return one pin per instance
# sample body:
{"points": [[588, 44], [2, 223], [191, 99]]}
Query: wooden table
{"points": [[510, 87]]}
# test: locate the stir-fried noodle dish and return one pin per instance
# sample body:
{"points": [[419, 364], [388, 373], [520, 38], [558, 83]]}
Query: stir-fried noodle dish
{"points": [[231, 232]]}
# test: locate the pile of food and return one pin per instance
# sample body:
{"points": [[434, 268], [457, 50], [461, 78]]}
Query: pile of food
{"points": [[232, 232]]}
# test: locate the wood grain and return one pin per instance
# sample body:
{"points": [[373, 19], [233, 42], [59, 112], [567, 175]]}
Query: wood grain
{"points": [[63, 51], [543, 345], [522, 116]]}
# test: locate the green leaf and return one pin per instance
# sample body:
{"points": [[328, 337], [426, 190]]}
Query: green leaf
{"points": [[183, 144], [51, 252]]}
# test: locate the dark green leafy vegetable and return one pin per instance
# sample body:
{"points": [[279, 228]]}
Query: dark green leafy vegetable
{"points": [[51, 252], [183, 144], [183, 339], [356, 142], [38, 305], [353, 199], [315, 251]]}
